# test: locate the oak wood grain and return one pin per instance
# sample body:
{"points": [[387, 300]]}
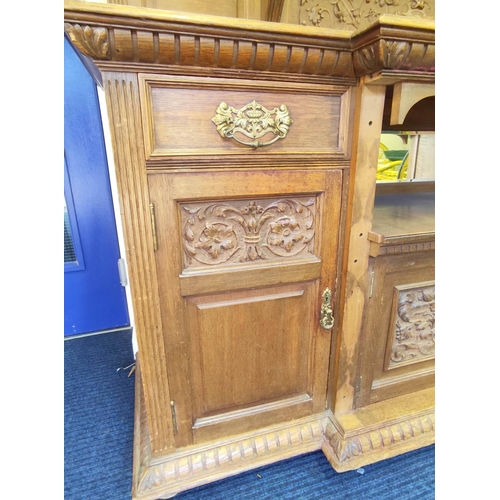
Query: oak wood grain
{"points": [[398, 215], [235, 369], [247, 332], [367, 129], [124, 116], [165, 98], [262, 275], [391, 276]]}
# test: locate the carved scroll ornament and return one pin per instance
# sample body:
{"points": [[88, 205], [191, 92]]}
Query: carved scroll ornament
{"points": [[352, 15], [414, 326], [247, 231], [92, 41], [252, 121]]}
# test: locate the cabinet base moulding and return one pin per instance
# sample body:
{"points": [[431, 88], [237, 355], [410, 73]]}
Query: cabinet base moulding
{"points": [[349, 452], [183, 469]]}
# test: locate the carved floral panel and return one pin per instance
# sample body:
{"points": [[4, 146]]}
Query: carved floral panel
{"points": [[353, 15], [239, 231], [412, 332]]}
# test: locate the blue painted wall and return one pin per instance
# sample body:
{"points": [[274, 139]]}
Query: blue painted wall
{"points": [[94, 299]]}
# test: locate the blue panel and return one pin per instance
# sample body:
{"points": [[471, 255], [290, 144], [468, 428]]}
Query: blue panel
{"points": [[94, 299], [79, 262]]}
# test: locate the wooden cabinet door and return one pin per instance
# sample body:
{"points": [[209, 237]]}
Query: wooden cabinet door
{"points": [[397, 347], [243, 258]]}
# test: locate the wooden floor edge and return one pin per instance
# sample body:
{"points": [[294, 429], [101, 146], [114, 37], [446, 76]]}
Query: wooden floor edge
{"points": [[184, 469]]}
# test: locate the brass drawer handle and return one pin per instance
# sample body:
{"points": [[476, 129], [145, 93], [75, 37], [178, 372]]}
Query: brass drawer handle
{"points": [[252, 121], [327, 319]]}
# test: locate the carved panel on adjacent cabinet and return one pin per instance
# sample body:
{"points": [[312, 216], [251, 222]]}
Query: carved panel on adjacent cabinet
{"points": [[397, 355], [412, 331]]}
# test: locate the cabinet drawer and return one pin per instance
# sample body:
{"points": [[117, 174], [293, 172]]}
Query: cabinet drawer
{"points": [[181, 115]]}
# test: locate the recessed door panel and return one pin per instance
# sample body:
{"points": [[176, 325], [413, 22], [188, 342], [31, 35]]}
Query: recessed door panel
{"points": [[251, 347]]}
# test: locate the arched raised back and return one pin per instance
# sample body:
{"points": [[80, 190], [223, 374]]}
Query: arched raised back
{"points": [[406, 95]]}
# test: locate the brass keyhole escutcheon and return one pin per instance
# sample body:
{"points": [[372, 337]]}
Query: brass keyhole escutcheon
{"points": [[327, 319]]}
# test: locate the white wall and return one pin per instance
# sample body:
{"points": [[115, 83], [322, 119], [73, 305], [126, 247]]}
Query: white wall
{"points": [[425, 166]]}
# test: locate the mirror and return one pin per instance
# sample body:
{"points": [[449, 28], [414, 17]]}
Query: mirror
{"points": [[407, 141], [406, 155]]}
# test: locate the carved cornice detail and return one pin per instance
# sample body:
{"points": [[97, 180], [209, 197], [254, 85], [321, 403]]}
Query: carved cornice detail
{"points": [[92, 41], [354, 15], [394, 55], [114, 39], [161, 40]]}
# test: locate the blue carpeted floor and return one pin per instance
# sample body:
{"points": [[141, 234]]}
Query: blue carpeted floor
{"points": [[98, 432]]}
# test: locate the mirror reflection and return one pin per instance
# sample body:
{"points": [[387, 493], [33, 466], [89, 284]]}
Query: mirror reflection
{"points": [[406, 156]]}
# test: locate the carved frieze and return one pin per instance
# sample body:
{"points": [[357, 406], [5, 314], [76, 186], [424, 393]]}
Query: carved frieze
{"points": [[353, 15], [395, 55], [405, 248], [107, 35], [412, 331], [218, 46], [247, 230]]}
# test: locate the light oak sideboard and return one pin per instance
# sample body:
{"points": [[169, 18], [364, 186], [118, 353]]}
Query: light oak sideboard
{"points": [[270, 287]]}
